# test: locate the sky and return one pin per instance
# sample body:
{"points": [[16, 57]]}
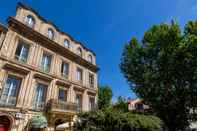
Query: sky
{"points": [[106, 25]]}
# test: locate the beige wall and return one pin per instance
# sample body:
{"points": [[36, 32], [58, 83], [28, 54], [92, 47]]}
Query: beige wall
{"points": [[42, 27], [34, 60], [27, 89], [31, 74]]}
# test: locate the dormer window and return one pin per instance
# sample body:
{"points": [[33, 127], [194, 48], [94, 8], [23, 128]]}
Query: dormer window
{"points": [[90, 58], [66, 43], [30, 21], [79, 52], [50, 34]]}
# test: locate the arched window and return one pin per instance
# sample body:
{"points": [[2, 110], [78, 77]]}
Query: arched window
{"points": [[66, 43], [90, 58], [30, 21], [79, 51], [50, 33]]}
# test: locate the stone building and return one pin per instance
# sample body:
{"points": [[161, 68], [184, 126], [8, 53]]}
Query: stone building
{"points": [[46, 75], [137, 105]]}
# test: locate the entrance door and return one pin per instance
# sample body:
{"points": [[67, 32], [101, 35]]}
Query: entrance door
{"points": [[4, 123], [2, 128]]}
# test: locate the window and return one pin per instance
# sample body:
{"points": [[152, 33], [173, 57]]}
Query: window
{"points": [[22, 52], [50, 34], [90, 58], [62, 95], [29, 20], [79, 52], [66, 43], [40, 96], [65, 69], [46, 62], [10, 91], [79, 102], [79, 74], [91, 103], [139, 106], [91, 80]]}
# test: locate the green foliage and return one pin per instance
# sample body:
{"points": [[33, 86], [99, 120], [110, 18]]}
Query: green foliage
{"points": [[110, 120], [121, 105], [104, 97], [162, 70]]}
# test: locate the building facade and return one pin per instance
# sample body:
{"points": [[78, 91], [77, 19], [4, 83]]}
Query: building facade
{"points": [[44, 73], [137, 105]]}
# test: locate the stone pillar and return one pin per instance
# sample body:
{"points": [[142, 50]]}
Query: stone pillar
{"points": [[27, 90], [2, 75], [50, 90], [23, 90], [5, 45], [85, 101], [71, 94], [31, 93]]}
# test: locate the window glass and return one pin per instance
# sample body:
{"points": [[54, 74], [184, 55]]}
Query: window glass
{"points": [[139, 106], [79, 52], [30, 21], [79, 74], [50, 34], [65, 69], [91, 80], [91, 103], [10, 90], [90, 58], [66, 43], [46, 62], [40, 96], [22, 52], [79, 102], [62, 95]]}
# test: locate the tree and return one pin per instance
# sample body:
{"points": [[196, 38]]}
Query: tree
{"points": [[104, 97], [121, 104], [110, 120], [162, 69]]}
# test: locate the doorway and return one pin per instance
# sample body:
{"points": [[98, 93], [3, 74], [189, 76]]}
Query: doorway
{"points": [[5, 123]]}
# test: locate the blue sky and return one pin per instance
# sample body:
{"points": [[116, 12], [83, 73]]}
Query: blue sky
{"points": [[106, 25]]}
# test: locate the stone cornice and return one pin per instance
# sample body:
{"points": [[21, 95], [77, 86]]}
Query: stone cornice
{"points": [[39, 38], [24, 69]]}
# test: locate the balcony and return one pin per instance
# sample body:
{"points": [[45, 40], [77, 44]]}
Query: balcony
{"points": [[45, 69], [91, 85], [61, 106], [7, 101], [21, 59], [64, 76], [38, 106]]}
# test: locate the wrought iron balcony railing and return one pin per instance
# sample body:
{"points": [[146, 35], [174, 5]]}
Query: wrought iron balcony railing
{"points": [[7, 101], [61, 106], [21, 59], [39, 106]]}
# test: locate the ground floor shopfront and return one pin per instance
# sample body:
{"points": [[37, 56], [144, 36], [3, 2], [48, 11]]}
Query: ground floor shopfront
{"points": [[34, 121]]}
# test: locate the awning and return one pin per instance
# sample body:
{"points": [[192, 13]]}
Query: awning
{"points": [[64, 126], [38, 122]]}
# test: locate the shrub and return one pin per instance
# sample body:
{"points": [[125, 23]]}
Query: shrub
{"points": [[110, 120]]}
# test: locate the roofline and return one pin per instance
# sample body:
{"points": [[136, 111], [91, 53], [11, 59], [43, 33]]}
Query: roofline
{"points": [[19, 4], [36, 36]]}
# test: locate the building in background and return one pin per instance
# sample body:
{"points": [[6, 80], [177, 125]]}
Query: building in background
{"points": [[46, 76], [137, 105]]}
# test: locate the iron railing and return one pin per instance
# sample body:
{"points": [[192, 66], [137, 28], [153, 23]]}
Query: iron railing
{"points": [[7, 101], [59, 105]]}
